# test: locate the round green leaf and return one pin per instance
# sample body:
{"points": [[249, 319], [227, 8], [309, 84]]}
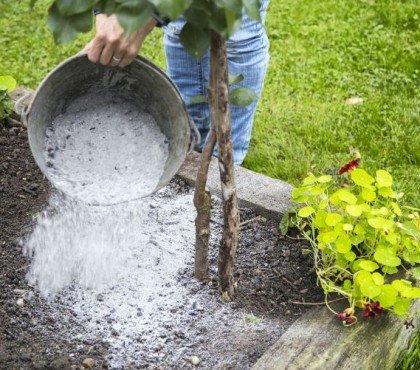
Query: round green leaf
{"points": [[386, 192], [388, 296], [242, 97], [347, 227], [370, 289], [306, 211], [377, 277], [343, 244], [324, 179], [383, 179], [389, 270], [401, 306], [380, 223], [350, 256], [333, 219], [386, 256], [354, 210], [309, 180], [347, 197], [7, 83], [361, 177], [362, 276], [368, 194], [328, 237], [368, 265]]}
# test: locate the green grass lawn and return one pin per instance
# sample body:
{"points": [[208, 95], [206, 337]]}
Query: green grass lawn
{"points": [[322, 52]]}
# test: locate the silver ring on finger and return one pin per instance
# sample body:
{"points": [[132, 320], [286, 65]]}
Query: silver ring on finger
{"points": [[115, 59]]}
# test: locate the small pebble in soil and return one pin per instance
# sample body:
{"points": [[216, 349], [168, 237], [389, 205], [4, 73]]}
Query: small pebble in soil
{"points": [[88, 363], [20, 302], [195, 360]]}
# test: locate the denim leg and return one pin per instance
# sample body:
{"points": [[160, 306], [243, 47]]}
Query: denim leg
{"points": [[191, 78], [247, 52]]}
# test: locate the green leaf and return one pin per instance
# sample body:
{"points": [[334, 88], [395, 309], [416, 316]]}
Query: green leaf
{"points": [[370, 289], [383, 179], [377, 277], [72, 7], [388, 296], [133, 14], [386, 192], [416, 272], [380, 223], [347, 227], [195, 40], [306, 211], [328, 237], [389, 270], [333, 219], [198, 99], [361, 177], [252, 8], [343, 244], [368, 265], [242, 97], [7, 83], [368, 194], [66, 28], [396, 208], [309, 180], [350, 256], [401, 306], [171, 8], [386, 256], [324, 179], [354, 210], [284, 224], [235, 79], [32, 3], [346, 196]]}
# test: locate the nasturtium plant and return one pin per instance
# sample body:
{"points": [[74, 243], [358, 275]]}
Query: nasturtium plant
{"points": [[365, 242], [7, 85]]}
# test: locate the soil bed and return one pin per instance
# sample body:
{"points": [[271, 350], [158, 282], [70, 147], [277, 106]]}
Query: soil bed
{"points": [[271, 273]]}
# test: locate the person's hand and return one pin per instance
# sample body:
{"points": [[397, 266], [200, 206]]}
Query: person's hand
{"points": [[111, 47]]}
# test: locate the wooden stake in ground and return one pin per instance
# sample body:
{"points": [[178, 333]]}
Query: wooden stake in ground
{"points": [[220, 117], [202, 203]]}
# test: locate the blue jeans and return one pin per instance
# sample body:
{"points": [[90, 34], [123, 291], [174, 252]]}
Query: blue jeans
{"points": [[247, 52]]}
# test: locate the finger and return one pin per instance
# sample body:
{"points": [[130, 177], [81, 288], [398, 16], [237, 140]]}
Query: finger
{"points": [[116, 59], [95, 51], [128, 58], [87, 47], [107, 53]]}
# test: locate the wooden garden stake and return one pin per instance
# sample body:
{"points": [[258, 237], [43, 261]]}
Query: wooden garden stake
{"points": [[220, 116], [202, 203]]}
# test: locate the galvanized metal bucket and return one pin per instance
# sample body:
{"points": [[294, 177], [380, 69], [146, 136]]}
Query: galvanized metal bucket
{"points": [[142, 80]]}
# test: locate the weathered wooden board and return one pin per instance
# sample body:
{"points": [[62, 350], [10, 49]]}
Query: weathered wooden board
{"points": [[318, 340]]}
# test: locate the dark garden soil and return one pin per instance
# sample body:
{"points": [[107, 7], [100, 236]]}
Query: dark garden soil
{"points": [[271, 273]]}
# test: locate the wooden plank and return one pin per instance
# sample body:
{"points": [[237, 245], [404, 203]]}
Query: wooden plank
{"points": [[318, 340]]}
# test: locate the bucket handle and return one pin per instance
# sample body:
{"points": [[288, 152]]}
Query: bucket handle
{"points": [[21, 107], [195, 138]]}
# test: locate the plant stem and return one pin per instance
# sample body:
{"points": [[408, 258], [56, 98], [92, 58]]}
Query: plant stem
{"points": [[202, 203], [220, 115]]}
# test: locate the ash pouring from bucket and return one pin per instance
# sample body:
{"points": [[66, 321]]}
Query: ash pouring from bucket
{"points": [[124, 272], [103, 149]]}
